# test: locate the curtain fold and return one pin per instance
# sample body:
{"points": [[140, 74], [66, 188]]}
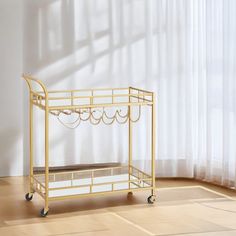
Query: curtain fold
{"points": [[216, 109], [196, 88]]}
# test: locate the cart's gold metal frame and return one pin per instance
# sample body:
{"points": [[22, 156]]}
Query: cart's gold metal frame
{"points": [[85, 100]]}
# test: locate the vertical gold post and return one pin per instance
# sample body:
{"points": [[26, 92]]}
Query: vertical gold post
{"points": [[91, 98], [153, 143], [130, 139], [112, 97], [31, 143], [46, 155], [72, 98]]}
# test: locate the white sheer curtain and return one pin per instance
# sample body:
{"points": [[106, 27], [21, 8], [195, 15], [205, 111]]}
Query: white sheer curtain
{"points": [[182, 49], [173, 60], [196, 61], [214, 71]]}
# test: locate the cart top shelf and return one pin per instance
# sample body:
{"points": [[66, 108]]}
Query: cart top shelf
{"points": [[62, 100]]}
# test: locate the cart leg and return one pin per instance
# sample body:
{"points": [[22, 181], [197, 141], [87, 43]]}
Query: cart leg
{"points": [[152, 198], [29, 195], [130, 145], [44, 211]]}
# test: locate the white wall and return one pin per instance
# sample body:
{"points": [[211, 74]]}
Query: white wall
{"points": [[11, 131]]}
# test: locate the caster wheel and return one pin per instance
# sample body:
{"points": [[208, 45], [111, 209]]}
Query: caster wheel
{"points": [[129, 194], [28, 196], [151, 199], [43, 213]]}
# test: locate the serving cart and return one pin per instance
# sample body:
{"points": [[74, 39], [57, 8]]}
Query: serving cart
{"points": [[89, 105]]}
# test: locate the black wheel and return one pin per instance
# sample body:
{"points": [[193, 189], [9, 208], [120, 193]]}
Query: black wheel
{"points": [[43, 213], [129, 194], [28, 196], [151, 199]]}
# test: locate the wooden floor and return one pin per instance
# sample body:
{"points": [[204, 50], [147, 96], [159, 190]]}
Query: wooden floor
{"points": [[184, 207]]}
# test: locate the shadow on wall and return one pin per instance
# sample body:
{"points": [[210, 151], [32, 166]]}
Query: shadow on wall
{"points": [[77, 44], [84, 39], [11, 143], [11, 149]]}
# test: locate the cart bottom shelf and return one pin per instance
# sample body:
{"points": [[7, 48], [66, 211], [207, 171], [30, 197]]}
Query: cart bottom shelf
{"points": [[92, 182]]}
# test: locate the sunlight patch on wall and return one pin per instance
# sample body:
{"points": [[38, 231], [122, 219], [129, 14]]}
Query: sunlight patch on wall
{"points": [[55, 26]]}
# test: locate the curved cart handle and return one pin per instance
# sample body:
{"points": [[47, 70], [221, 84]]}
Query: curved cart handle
{"points": [[29, 79]]}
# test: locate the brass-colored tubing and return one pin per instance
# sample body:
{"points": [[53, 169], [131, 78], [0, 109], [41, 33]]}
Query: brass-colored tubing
{"points": [[142, 90], [81, 171], [141, 98], [42, 100], [100, 96], [141, 171], [153, 144], [98, 184], [96, 194], [37, 95], [38, 182], [46, 157], [83, 90], [130, 138], [51, 108], [38, 105], [31, 137]]}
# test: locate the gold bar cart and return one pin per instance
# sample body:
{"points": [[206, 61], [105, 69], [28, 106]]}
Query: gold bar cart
{"points": [[85, 104]]}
